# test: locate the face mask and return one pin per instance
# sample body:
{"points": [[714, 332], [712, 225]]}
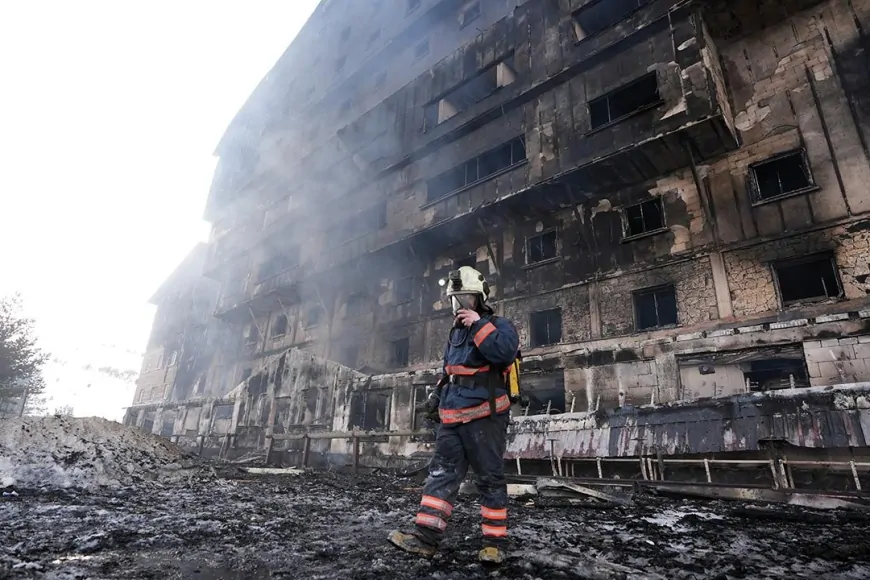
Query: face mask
{"points": [[462, 302]]}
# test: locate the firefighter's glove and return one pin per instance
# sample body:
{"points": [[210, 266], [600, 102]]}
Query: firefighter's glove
{"points": [[432, 403]]}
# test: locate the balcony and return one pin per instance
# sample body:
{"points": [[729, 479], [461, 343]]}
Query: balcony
{"points": [[267, 295]]}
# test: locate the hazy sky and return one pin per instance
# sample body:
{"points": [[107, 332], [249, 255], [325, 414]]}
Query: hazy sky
{"points": [[109, 114]]}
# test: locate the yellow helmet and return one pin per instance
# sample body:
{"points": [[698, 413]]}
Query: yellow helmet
{"points": [[467, 280]]}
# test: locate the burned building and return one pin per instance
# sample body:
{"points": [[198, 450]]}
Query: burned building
{"points": [[669, 200]]}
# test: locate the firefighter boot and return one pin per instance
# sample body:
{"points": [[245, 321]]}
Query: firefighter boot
{"points": [[412, 544], [491, 555]]}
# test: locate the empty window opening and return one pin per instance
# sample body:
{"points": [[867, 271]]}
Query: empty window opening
{"points": [[380, 217], [308, 408], [601, 15], [413, 5], [622, 102], [356, 304], [222, 412], [370, 409], [644, 218], [545, 391], [404, 290], [399, 352], [655, 307], [775, 373], [279, 264], [783, 175], [421, 50], [546, 327], [808, 279], [469, 14], [313, 316], [541, 247], [173, 358], [252, 335], [478, 169], [472, 91], [279, 327], [419, 413]]}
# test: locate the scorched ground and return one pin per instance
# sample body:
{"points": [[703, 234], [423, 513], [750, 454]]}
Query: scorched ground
{"points": [[326, 525]]}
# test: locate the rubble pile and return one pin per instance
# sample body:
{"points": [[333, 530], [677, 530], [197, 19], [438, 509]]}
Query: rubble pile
{"points": [[62, 452], [332, 526]]}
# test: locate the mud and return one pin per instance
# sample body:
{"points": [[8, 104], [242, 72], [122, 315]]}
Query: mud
{"points": [[334, 526]]}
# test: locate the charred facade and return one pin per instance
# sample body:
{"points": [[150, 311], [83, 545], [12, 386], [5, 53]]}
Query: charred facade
{"points": [[669, 199]]}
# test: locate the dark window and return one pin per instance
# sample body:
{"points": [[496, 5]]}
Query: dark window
{"points": [[546, 327], [784, 174], [339, 64], [279, 327], [655, 307], [345, 34], [776, 373], [469, 261], [644, 218], [380, 80], [601, 15], [469, 14], [541, 247], [404, 290], [809, 278], [399, 352], [369, 409], [308, 408], [381, 215], [481, 167], [356, 303], [252, 336], [472, 91], [419, 413], [545, 390], [624, 101], [413, 5], [312, 316], [223, 412], [422, 49]]}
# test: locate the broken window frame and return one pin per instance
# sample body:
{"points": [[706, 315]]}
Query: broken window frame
{"points": [[627, 88], [549, 316], [529, 388], [313, 316], [627, 235], [360, 412], [400, 352], [655, 291], [530, 241], [816, 257], [434, 111], [614, 17], [275, 333], [472, 169], [754, 184], [404, 290]]}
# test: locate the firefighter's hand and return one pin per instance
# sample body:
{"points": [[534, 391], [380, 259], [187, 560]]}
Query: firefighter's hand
{"points": [[467, 317]]}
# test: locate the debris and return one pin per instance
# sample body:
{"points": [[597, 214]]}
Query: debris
{"points": [[273, 470], [812, 499], [62, 452], [545, 485]]}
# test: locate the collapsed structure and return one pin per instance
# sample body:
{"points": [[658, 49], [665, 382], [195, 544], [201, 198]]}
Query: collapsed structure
{"points": [[669, 200]]}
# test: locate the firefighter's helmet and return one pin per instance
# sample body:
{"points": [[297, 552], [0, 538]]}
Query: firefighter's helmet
{"points": [[467, 280]]}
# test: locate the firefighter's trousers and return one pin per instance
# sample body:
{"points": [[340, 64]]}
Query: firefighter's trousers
{"points": [[479, 444]]}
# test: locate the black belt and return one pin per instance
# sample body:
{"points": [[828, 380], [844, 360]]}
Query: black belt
{"points": [[463, 381]]}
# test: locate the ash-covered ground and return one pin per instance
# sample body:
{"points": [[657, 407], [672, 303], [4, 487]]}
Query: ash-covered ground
{"points": [[326, 525]]}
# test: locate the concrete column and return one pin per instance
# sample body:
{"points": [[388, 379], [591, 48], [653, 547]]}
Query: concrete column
{"points": [[720, 283], [594, 310]]}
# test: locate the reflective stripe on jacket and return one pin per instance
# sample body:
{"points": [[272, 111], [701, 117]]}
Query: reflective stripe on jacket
{"points": [[473, 352]]}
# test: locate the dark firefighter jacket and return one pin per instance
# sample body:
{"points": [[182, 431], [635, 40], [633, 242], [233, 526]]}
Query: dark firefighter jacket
{"points": [[489, 345]]}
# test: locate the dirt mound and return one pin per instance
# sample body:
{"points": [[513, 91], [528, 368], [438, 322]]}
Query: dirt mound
{"points": [[82, 452]]}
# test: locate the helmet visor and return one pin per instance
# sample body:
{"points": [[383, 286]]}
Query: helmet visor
{"points": [[463, 302]]}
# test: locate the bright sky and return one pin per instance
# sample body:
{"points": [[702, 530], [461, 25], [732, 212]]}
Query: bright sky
{"points": [[109, 114]]}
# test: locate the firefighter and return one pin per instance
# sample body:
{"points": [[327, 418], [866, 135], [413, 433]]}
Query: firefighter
{"points": [[474, 411]]}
